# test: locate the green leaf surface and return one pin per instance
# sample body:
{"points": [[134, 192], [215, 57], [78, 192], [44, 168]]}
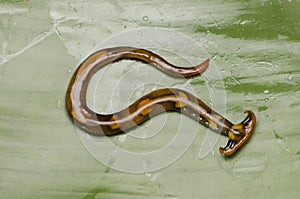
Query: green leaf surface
{"points": [[255, 46]]}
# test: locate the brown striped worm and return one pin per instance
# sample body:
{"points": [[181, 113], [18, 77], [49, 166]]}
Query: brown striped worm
{"points": [[171, 99]]}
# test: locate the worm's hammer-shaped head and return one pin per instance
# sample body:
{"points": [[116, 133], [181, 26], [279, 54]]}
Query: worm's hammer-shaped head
{"points": [[239, 134]]}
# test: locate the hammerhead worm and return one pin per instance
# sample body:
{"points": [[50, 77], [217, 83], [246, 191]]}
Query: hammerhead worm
{"points": [[171, 99]]}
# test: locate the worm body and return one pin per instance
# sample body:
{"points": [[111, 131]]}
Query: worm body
{"points": [[170, 99]]}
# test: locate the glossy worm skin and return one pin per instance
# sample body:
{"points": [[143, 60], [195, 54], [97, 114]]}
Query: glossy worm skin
{"points": [[170, 99]]}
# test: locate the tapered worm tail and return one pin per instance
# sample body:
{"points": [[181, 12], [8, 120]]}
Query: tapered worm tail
{"points": [[139, 112]]}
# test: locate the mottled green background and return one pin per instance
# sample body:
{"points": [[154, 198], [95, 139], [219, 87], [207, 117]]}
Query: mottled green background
{"points": [[255, 44]]}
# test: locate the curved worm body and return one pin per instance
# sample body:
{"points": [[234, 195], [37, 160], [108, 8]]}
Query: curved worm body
{"points": [[170, 99]]}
